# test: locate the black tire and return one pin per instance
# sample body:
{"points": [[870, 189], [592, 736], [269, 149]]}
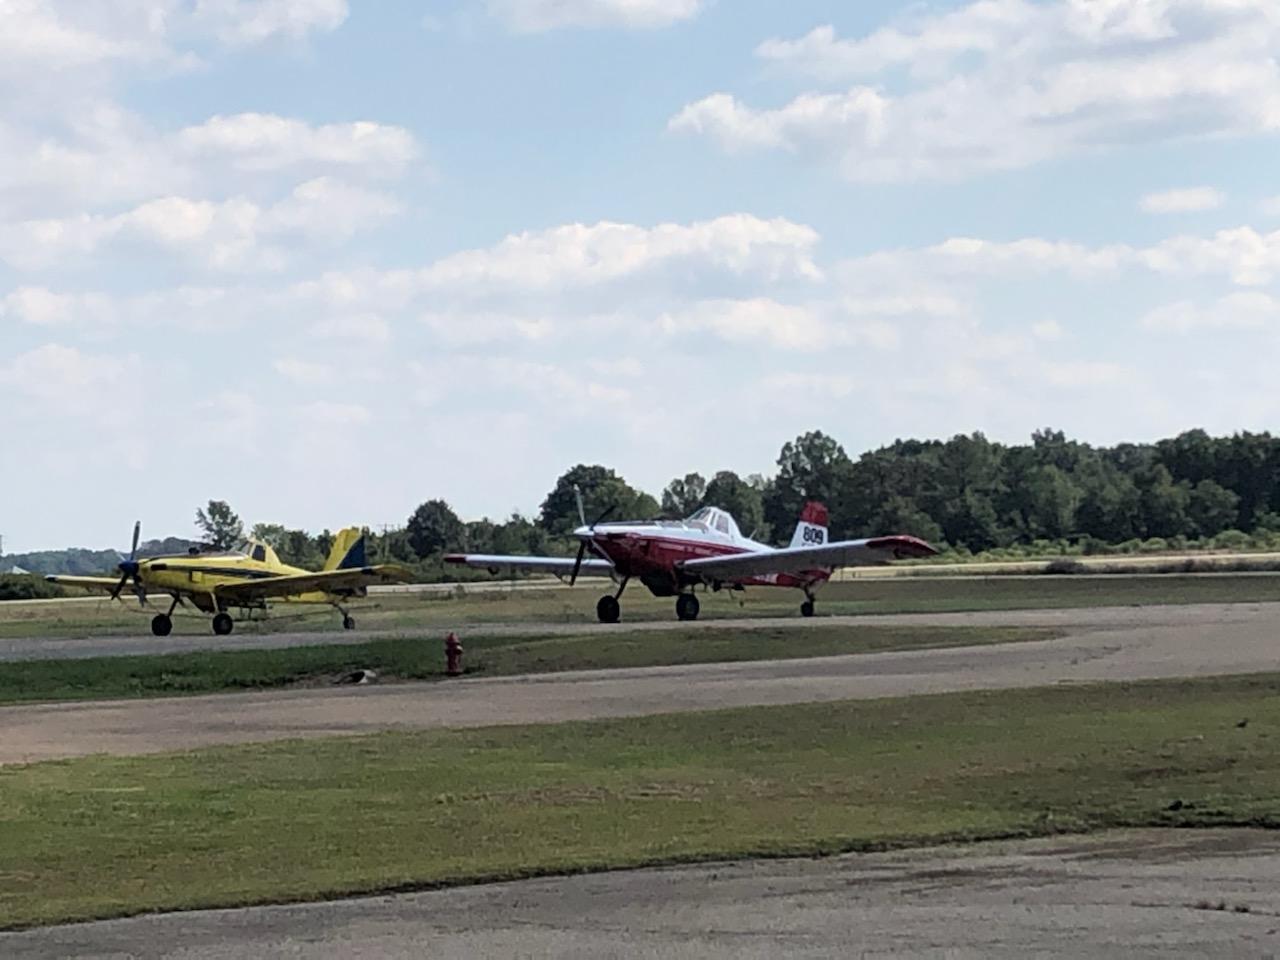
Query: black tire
{"points": [[608, 609], [687, 606], [807, 609], [223, 624], [161, 625], [348, 622]]}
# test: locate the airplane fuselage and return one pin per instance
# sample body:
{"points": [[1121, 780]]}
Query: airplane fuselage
{"points": [[652, 552]]}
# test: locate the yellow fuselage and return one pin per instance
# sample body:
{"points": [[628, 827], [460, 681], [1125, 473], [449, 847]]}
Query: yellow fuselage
{"points": [[198, 577]]}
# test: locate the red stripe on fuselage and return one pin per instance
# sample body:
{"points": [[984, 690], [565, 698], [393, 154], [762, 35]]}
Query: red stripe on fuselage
{"points": [[636, 555]]}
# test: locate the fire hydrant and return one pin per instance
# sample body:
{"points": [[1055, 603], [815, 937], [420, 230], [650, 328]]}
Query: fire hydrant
{"points": [[453, 655]]}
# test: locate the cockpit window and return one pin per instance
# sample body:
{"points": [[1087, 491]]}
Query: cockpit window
{"points": [[722, 523], [259, 553]]}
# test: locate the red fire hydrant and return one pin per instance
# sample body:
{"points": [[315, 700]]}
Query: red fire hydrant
{"points": [[453, 655]]}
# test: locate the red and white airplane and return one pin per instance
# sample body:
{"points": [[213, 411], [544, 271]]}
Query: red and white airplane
{"points": [[672, 557]]}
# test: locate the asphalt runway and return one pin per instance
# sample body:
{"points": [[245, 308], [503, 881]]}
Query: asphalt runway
{"points": [[1130, 643], [1213, 894]]}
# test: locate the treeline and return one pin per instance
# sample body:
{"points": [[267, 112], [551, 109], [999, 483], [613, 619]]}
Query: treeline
{"points": [[968, 495]]}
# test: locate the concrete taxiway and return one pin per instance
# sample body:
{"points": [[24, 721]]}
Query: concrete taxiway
{"points": [[1129, 643], [1132, 894]]}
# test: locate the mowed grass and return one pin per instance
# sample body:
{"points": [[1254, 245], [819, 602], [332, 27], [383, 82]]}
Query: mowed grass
{"points": [[102, 678], [470, 606], [308, 820]]}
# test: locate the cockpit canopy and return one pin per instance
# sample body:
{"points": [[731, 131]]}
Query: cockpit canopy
{"points": [[713, 518], [257, 550]]}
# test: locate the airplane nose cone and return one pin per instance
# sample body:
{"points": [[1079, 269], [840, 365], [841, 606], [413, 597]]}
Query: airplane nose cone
{"points": [[582, 533], [129, 567]]}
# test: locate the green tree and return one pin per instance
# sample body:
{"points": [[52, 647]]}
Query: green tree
{"points": [[1164, 505], [221, 527], [812, 467], [684, 496], [601, 489], [1212, 508], [434, 528]]}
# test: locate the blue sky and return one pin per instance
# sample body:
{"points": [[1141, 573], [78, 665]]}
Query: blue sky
{"points": [[327, 260]]}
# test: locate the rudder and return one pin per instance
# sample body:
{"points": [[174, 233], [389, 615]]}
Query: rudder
{"points": [[347, 551], [811, 531]]}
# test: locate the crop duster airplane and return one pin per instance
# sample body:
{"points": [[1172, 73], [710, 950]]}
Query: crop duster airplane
{"points": [[245, 579], [672, 557]]}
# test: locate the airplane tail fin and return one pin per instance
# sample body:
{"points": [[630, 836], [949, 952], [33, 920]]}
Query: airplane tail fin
{"points": [[348, 550], [811, 531]]}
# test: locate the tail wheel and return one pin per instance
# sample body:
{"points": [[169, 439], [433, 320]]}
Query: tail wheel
{"points": [[687, 606], [608, 610], [807, 609], [348, 622], [223, 624]]}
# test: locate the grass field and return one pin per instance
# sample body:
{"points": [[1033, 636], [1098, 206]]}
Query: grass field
{"points": [[102, 678], [287, 821], [562, 605]]}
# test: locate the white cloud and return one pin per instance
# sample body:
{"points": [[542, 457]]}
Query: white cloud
{"points": [[473, 328], [539, 15], [1190, 200], [1242, 254], [302, 372], [366, 328], [242, 22], [1047, 330], [1238, 311], [1002, 84], [266, 142], [70, 381], [219, 235], [579, 256], [787, 326]]}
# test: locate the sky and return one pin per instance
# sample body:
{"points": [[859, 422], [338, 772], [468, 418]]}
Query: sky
{"points": [[328, 260]]}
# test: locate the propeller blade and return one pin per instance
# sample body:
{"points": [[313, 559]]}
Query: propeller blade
{"points": [[137, 532], [607, 513], [115, 594], [582, 513], [577, 564]]}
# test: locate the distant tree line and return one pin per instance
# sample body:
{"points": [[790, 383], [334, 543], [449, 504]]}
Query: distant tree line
{"points": [[966, 495]]}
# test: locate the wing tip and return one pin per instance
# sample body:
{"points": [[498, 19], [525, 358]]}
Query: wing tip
{"points": [[904, 546]]}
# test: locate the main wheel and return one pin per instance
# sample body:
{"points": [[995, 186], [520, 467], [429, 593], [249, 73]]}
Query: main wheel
{"points": [[161, 625], [608, 609], [348, 622], [223, 624], [807, 609], [687, 606]]}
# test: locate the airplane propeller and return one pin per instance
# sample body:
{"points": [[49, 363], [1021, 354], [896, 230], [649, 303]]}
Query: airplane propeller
{"points": [[582, 546], [130, 567]]}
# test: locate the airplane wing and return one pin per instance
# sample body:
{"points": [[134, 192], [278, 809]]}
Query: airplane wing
{"points": [[848, 553], [327, 581], [560, 566], [105, 584]]}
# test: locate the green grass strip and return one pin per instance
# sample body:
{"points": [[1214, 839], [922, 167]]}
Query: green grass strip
{"points": [[292, 821], [104, 678]]}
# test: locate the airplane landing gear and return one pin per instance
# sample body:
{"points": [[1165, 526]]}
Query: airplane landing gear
{"points": [[608, 610], [162, 623], [223, 624], [807, 608], [687, 606], [348, 622]]}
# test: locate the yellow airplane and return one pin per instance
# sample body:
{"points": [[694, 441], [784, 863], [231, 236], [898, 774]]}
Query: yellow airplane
{"points": [[244, 579]]}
